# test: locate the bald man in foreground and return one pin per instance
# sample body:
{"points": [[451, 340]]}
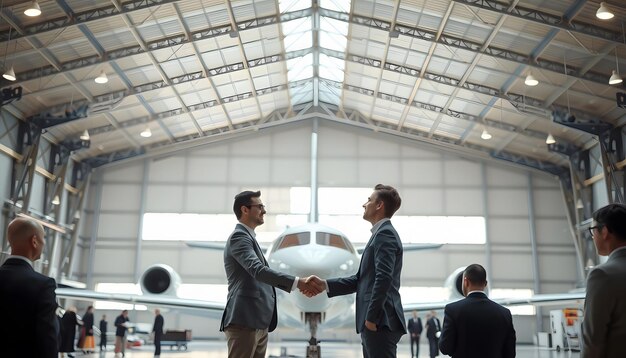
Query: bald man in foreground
{"points": [[29, 325]]}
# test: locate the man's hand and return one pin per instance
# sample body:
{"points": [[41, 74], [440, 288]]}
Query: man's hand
{"points": [[311, 286], [371, 326]]}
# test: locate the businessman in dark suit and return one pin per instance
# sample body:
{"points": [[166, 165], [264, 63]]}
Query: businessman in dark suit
{"points": [[415, 330], [157, 330], [27, 300], [476, 326], [604, 323], [250, 311], [379, 315], [433, 330]]}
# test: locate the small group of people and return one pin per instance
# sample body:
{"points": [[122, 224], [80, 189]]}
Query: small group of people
{"points": [[68, 325], [433, 329]]}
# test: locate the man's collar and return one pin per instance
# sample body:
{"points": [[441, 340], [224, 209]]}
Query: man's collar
{"points": [[250, 230], [619, 249], [21, 258], [476, 291], [379, 224]]}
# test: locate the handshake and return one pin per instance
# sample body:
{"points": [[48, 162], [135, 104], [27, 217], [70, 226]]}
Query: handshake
{"points": [[311, 286]]}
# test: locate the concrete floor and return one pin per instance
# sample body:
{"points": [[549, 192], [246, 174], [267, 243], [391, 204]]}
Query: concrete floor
{"points": [[199, 349]]}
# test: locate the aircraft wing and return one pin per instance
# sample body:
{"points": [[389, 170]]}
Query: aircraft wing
{"points": [[211, 307], [408, 247], [211, 245], [574, 298]]}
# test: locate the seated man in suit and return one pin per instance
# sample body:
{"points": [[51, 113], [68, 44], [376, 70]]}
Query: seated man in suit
{"points": [[27, 299], [476, 326]]}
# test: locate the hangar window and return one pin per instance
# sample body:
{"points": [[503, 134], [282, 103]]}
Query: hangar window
{"points": [[341, 208]]}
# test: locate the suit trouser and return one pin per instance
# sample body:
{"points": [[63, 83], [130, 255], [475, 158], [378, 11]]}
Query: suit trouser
{"points": [[244, 342], [120, 344], [157, 343], [380, 344], [434, 346], [416, 341], [103, 340]]}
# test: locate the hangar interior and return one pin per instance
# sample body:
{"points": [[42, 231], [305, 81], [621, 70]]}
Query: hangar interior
{"points": [[313, 103]]}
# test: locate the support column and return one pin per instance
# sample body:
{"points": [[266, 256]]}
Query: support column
{"points": [[535, 256]]}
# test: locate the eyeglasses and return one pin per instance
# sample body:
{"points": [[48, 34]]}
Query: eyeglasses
{"points": [[591, 228], [260, 206]]}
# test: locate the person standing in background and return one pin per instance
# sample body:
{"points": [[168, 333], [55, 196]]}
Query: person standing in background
{"points": [[433, 328], [121, 326], [68, 331], [88, 343], [415, 330], [157, 331], [103, 333]]}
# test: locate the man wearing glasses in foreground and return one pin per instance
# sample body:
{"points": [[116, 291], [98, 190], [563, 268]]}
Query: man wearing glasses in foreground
{"points": [[604, 324], [250, 311]]}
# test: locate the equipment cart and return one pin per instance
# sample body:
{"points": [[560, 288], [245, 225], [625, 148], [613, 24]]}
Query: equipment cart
{"points": [[176, 338]]}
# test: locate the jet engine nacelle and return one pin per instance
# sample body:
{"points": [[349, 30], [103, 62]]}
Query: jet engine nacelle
{"points": [[454, 284], [160, 279]]}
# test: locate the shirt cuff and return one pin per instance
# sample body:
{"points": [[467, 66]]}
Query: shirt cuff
{"points": [[295, 283]]}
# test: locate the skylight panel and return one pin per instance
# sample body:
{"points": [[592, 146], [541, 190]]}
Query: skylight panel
{"points": [[336, 5], [332, 68], [300, 68], [298, 34], [293, 5], [333, 34]]}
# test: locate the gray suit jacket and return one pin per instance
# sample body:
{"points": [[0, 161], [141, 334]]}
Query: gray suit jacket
{"points": [[251, 300], [377, 282], [604, 324]]}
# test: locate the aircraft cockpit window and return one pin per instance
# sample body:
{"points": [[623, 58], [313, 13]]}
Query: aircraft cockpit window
{"points": [[301, 238], [326, 239]]}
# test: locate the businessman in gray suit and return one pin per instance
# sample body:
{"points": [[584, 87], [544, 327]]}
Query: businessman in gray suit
{"points": [[250, 311], [379, 315], [604, 323]]}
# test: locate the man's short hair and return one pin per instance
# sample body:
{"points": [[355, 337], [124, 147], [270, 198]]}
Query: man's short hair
{"points": [[476, 274], [390, 197], [613, 217], [244, 199]]}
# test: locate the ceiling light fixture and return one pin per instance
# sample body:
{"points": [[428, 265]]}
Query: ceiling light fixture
{"points": [[56, 200], [615, 78], [33, 9], [531, 80], [579, 204], [102, 78], [147, 133], [485, 135], [550, 139], [10, 74], [85, 135], [603, 12]]}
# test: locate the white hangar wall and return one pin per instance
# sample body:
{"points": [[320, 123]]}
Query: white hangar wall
{"points": [[517, 204]]}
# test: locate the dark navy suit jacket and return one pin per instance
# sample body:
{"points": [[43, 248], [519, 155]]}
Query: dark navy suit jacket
{"points": [[376, 283], [27, 306], [477, 327]]}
